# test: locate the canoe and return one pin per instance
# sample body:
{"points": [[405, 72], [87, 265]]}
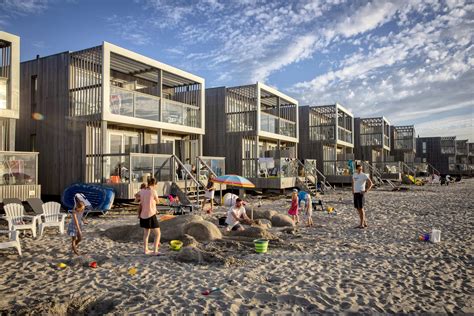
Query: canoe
{"points": [[100, 197]]}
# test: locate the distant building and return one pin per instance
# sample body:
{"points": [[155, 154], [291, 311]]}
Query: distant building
{"points": [[440, 152]]}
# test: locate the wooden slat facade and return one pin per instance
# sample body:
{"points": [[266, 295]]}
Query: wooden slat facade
{"points": [[59, 138]]}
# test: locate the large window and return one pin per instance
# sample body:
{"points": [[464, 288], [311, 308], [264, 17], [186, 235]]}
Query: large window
{"points": [[18, 168]]}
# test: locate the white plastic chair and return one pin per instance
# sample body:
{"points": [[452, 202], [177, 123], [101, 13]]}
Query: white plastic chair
{"points": [[15, 215], [14, 241], [52, 217]]}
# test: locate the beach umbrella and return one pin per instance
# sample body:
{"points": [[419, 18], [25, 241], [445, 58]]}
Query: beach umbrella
{"points": [[234, 180]]}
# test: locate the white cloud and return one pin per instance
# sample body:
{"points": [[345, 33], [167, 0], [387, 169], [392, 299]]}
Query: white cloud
{"points": [[24, 6]]}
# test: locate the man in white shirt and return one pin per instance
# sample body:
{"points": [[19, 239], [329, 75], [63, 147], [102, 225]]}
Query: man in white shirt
{"points": [[359, 189], [235, 215]]}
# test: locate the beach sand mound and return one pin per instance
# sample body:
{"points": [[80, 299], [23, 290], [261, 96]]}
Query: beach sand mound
{"points": [[174, 228], [202, 231], [281, 220], [170, 229], [263, 223], [83, 305], [190, 254], [125, 233], [254, 232], [260, 214]]}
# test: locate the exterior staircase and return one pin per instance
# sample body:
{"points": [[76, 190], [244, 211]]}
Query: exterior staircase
{"points": [[192, 190], [377, 176], [309, 181]]}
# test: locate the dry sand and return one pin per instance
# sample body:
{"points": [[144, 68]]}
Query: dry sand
{"points": [[383, 269]]}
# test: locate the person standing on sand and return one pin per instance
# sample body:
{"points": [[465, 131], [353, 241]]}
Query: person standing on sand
{"points": [[148, 220], [209, 194], [75, 225], [293, 211], [359, 190]]}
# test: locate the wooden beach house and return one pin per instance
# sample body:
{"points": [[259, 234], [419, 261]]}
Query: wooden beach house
{"points": [[462, 157], [372, 139], [470, 158], [110, 115], [403, 143], [18, 170], [439, 153], [372, 147], [327, 136], [256, 128]]}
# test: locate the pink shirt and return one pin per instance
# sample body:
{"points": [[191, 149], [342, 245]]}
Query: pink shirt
{"points": [[148, 203]]}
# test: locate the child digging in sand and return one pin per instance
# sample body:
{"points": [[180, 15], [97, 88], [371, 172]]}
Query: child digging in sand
{"points": [[293, 211], [75, 225]]}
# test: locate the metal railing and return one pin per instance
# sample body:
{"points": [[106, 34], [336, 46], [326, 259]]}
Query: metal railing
{"points": [[199, 184]]}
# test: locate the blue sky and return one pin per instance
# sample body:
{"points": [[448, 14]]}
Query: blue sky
{"points": [[411, 61]]}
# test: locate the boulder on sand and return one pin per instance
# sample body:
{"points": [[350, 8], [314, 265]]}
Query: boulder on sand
{"points": [[281, 220], [174, 228], [202, 231]]}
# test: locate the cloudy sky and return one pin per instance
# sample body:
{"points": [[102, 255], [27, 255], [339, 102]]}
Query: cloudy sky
{"points": [[411, 61]]}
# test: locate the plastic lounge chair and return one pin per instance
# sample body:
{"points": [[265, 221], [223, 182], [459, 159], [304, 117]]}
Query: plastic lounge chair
{"points": [[52, 217], [13, 242], [7, 201], [35, 205], [15, 215]]}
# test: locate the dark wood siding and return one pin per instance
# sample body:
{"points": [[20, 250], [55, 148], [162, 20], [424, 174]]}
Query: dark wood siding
{"points": [[59, 139]]}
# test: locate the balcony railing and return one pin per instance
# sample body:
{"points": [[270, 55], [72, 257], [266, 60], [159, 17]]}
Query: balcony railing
{"points": [[145, 106], [338, 168], [208, 165], [269, 123], [287, 128], [344, 135], [18, 168]]}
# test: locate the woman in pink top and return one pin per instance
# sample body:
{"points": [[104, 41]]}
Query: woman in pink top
{"points": [[148, 199]]}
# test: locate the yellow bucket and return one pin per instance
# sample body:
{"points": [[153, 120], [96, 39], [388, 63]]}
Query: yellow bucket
{"points": [[261, 245], [176, 245]]}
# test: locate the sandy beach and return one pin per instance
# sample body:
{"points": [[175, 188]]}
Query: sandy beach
{"points": [[331, 267]]}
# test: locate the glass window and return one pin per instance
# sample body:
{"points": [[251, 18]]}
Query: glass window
{"points": [[424, 147], [115, 144], [17, 169], [132, 144], [142, 168]]}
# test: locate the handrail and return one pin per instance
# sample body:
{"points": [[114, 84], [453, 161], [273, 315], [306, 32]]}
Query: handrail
{"points": [[434, 169], [408, 167], [188, 173], [186, 170], [207, 166], [304, 168]]}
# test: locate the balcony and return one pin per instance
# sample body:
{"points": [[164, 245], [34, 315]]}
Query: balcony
{"points": [[144, 106], [269, 123]]}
